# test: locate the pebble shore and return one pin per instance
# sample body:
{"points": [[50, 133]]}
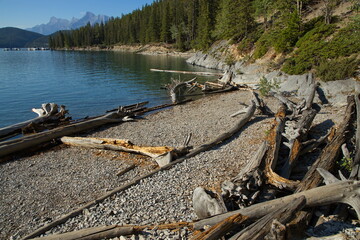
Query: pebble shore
{"points": [[40, 188]]}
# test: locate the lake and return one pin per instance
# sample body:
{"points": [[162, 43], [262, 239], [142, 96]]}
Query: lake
{"points": [[87, 83]]}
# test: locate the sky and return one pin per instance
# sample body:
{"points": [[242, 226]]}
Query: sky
{"points": [[29, 13]]}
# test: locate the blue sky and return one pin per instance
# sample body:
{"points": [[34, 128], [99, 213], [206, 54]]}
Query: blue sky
{"points": [[28, 13]]}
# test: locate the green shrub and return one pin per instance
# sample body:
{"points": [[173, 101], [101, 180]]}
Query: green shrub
{"points": [[266, 86], [336, 69]]}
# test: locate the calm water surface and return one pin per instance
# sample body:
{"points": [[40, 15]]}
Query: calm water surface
{"points": [[87, 83]]}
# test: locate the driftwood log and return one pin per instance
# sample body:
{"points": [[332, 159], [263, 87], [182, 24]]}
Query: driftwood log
{"points": [[117, 145], [344, 192], [20, 144], [48, 112], [219, 230], [113, 231], [283, 214]]}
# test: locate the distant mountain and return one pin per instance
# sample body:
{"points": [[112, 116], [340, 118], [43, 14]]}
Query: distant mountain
{"points": [[16, 38], [56, 24]]}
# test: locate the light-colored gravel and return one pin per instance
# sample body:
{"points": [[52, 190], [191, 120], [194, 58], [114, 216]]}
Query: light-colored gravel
{"points": [[40, 188]]}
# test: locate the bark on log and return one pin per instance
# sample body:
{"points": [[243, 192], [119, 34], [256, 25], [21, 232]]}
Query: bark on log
{"points": [[261, 228], [129, 107], [12, 146], [117, 145], [48, 112], [219, 230], [344, 192], [187, 72]]}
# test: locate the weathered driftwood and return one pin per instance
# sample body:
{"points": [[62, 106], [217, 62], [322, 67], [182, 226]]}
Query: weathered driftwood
{"points": [[344, 192], [187, 72], [113, 231], [129, 107], [295, 142], [93, 233], [205, 205], [16, 145], [330, 153], [117, 145], [244, 188], [135, 181], [177, 89], [274, 140], [261, 228], [47, 112], [125, 170], [260, 105], [219, 230]]}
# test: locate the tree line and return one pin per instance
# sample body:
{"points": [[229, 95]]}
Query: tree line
{"points": [[187, 23], [253, 25]]}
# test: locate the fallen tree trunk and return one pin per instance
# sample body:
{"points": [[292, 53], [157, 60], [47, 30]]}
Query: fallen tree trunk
{"points": [[48, 112], [116, 144], [9, 147], [343, 192], [187, 72], [283, 214]]}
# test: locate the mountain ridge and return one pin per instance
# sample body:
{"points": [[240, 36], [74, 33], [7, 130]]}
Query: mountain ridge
{"points": [[11, 37], [56, 24]]}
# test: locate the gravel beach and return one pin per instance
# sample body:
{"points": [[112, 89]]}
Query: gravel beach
{"points": [[38, 189]]}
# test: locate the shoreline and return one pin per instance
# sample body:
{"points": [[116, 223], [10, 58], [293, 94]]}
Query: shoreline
{"points": [[148, 49], [42, 187]]}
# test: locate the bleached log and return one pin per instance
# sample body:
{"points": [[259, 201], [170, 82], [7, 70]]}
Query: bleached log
{"points": [[116, 145], [187, 72], [344, 192], [176, 90], [12, 146], [261, 228], [48, 112]]}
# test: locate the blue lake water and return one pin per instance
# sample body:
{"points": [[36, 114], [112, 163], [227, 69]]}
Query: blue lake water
{"points": [[87, 83]]}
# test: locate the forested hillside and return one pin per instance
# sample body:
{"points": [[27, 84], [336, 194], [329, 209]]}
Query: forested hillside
{"points": [[304, 35], [16, 38]]}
